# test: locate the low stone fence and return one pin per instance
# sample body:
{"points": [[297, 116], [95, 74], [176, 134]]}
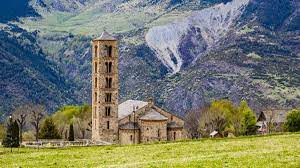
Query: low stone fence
{"points": [[58, 143]]}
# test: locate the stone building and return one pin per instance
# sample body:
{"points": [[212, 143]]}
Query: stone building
{"points": [[131, 121]]}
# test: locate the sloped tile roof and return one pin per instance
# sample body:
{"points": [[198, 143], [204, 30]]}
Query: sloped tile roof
{"points": [[106, 36], [173, 125], [153, 115], [126, 108], [129, 126]]}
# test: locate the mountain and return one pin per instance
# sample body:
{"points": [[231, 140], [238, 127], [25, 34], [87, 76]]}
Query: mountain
{"points": [[183, 53], [26, 75]]}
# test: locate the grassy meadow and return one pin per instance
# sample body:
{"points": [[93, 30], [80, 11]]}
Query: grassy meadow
{"points": [[261, 151]]}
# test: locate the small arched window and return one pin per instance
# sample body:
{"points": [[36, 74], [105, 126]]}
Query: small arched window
{"points": [[131, 137], [110, 51], [107, 124], [96, 82], [96, 67], [96, 51], [95, 96]]}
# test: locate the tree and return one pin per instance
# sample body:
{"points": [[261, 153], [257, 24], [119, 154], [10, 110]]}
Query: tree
{"points": [[20, 115], [71, 133], [49, 130], [293, 120], [36, 114], [249, 119], [218, 117], [12, 134], [192, 120], [79, 116]]}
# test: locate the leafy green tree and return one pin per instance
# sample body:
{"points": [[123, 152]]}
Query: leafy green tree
{"points": [[71, 133], [221, 115], [49, 130], [79, 116], [12, 134], [293, 120], [249, 119]]}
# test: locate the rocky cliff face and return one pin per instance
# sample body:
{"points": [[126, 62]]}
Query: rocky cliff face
{"points": [[178, 44]]}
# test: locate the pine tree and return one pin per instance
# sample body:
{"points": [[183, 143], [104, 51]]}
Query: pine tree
{"points": [[12, 135], [49, 130], [71, 133]]}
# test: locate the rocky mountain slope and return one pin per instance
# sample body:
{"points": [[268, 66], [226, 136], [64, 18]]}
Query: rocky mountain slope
{"points": [[183, 53]]}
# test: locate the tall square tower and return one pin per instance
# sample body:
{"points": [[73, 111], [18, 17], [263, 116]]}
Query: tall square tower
{"points": [[105, 87]]}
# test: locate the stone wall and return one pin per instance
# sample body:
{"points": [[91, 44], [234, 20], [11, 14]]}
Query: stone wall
{"points": [[153, 131], [175, 134], [126, 136]]}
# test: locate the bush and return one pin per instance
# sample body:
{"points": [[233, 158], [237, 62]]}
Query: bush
{"points": [[293, 121]]}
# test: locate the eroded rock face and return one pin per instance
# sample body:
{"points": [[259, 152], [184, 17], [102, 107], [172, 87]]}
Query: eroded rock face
{"points": [[201, 30]]}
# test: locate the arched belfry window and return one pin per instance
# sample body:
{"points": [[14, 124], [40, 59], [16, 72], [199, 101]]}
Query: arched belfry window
{"points": [[108, 50], [108, 83], [107, 111], [108, 66], [108, 97]]}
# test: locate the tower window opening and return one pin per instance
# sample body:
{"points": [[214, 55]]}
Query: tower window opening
{"points": [[95, 96], [108, 97], [158, 133], [96, 67], [131, 137], [174, 135], [96, 82], [108, 83], [96, 50], [107, 124], [108, 66], [110, 51], [107, 111]]}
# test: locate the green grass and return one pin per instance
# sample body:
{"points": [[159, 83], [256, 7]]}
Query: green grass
{"points": [[265, 151]]}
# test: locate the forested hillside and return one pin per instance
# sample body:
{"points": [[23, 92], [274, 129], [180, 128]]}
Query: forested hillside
{"points": [[183, 53]]}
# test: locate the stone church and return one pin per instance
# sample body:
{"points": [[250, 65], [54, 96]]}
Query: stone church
{"points": [[132, 121]]}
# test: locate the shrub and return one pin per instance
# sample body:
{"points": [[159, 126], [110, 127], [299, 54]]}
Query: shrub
{"points": [[293, 121]]}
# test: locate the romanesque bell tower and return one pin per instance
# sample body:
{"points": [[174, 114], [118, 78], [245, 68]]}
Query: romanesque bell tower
{"points": [[105, 88]]}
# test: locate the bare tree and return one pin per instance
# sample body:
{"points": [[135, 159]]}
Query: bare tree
{"points": [[192, 119], [20, 115], [37, 113]]}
